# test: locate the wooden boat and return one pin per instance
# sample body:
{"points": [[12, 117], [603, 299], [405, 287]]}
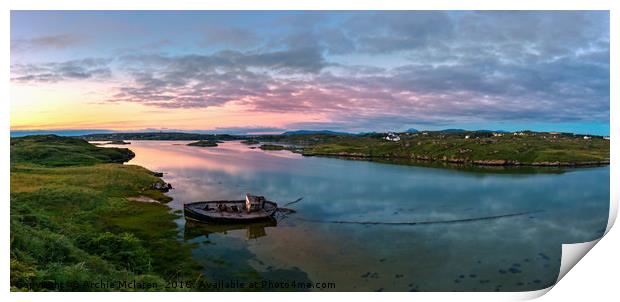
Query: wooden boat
{"points": [[252, 209]]}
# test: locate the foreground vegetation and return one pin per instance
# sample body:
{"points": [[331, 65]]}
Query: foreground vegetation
{"points": [[73, 228]]}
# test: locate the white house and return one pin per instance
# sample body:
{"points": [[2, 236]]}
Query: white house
{"points": [[606, 137], [466, 136], [587, 137], [392, 137]]}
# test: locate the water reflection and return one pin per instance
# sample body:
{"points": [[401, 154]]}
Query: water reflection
{"points": [[195, 229], [509, 254]]}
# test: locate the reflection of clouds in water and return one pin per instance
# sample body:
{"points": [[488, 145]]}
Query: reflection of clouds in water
{"points": [[362, 189], [574, 204], [175, 155]]}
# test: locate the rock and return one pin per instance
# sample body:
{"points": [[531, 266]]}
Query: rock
{"points": [[162, 186], [490, 162]]}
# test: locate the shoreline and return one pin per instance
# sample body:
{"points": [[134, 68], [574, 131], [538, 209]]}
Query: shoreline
{"points": [[430, 159], [482, 163], [427, 159]]}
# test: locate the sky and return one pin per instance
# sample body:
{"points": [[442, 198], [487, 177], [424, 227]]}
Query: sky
{"points": [[268, 72]]}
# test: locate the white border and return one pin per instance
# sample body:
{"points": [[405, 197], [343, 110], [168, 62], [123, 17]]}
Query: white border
{"points": [[585, 281], [314, 5]]}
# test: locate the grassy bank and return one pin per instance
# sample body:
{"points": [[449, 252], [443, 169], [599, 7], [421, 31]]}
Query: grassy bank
{"points": [[531, 148], [57, 151], [72, 225]]}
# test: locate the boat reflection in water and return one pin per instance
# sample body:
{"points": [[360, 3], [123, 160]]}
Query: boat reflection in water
{"points": [[254, 230]]}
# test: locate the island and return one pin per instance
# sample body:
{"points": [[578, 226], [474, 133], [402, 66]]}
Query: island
{"points": [[114, 142], [270, 147], [203, 143], [117, 142], [79, 214], [250, 142]]}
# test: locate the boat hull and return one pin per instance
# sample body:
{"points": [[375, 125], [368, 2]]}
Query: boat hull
{"points": [[196, 211]]}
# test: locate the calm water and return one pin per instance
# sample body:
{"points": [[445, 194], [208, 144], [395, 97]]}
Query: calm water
{"points": [[507, 254]]}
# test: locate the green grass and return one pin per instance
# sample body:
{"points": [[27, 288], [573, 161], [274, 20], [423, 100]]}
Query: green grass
{"points": [[54, 151], [533, 148], [71, 223]]}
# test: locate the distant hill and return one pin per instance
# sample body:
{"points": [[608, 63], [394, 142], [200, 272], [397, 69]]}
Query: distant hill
{"points": [[412, 130], [305, 132], [181, 136], [489, 131], [463, 130], [453, 130], [19, 133]]}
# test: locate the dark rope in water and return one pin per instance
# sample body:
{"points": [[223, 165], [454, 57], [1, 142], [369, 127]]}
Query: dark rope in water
{"points": [[293, 202], [421, 222]]}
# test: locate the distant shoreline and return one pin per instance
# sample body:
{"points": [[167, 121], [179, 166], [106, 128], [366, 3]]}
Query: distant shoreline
{"points": [[487, 163], [475, 148]]}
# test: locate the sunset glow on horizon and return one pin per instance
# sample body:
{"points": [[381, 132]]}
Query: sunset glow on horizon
{"points": [[269, 72]]}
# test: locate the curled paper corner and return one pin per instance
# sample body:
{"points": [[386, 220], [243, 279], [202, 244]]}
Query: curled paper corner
{"points": [[523, 296], [571, 254], [613, 214]]}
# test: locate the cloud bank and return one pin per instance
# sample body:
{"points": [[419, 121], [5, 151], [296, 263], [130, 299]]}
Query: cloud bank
{"points": [[375, 69]]}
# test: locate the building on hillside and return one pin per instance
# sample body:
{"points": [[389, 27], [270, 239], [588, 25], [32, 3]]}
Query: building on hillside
{"points": [[392, 137]]}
